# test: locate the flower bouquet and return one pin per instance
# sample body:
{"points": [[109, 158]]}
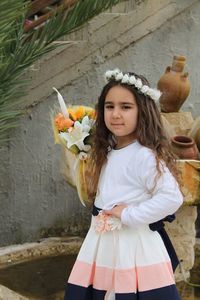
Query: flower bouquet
{"points": [[73, 126]]}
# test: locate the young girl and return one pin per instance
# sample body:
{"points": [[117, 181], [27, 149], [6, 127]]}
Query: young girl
{"points": [[124, 257]]}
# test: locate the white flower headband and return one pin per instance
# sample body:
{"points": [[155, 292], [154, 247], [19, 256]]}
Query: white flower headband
{"points": [[117, 75]]}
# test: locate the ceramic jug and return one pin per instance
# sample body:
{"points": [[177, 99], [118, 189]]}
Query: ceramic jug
{"points": [[184, 147], [174, 85]]}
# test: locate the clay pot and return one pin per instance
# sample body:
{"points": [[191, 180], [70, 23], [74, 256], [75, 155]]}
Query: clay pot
{"points": [[184, 147], [174, 85]]}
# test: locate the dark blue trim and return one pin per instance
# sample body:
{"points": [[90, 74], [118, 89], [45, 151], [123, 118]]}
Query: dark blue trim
{"points": [[159, 226], [75, 292], [166, 293], [95, 211]]}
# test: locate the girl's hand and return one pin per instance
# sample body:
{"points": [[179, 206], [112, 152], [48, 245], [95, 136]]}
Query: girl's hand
{"points": [[115, 211]]}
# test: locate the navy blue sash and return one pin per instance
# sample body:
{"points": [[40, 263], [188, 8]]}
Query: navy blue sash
{"points": [[159, 227]]}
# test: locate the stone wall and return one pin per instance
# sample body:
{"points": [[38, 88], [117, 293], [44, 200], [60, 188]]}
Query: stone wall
{"points": [[182, 234], [136, 35]]}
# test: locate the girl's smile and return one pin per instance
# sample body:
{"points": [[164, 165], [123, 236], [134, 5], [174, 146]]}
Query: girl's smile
{"points": [[121, 114]]}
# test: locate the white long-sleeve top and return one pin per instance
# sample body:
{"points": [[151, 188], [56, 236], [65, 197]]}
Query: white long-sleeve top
{"points": [[128, 178]]}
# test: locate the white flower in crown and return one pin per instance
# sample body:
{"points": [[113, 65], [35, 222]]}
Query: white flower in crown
{"points": [[125, 79], [132, 80], [138, 83], [149, 92], [108, 75], [144, 89], [116, 71], [154, 94], [119, 76]]}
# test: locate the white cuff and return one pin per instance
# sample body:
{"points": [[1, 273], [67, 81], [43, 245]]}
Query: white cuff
{"points": [[124, 216]]}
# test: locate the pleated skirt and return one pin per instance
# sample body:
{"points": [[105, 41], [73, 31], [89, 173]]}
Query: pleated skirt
{"points": [[122, 264]]}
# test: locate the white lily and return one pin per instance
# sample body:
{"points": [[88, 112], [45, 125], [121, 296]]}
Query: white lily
{"points": [[76, 137], [87, 124], [63, 106]]}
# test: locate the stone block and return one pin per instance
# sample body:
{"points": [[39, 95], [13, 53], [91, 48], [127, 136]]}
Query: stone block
{"points": [[182, 234], [190, 179], [7, 294], [180, 122]]}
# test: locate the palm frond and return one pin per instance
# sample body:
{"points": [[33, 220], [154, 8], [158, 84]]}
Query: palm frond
{"points": [[19, 50]]}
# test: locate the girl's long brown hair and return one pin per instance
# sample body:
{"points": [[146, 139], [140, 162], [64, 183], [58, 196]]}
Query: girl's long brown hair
{"points": [[150, 133]]}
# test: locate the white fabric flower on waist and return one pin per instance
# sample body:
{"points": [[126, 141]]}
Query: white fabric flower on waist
{"points": [[104, 223]]}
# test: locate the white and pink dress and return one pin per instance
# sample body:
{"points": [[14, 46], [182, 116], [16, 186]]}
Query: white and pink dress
{"points": [[124, 259]]}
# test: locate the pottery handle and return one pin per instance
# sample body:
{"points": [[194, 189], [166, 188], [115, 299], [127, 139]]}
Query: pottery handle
{"points": [[184, 75], [168, 69]]}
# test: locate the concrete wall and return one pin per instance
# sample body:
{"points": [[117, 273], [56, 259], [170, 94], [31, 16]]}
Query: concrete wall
{"points": [[137, 35]]}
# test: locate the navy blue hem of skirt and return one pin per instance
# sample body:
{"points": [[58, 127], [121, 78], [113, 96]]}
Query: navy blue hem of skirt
{"points": [[75, 292]]}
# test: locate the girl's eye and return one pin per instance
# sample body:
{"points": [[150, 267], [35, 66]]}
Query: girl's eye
{"points": [[125, 107], [108, 106]]}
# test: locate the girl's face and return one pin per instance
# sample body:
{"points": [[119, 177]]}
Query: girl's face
{"points": [[121, 114]]}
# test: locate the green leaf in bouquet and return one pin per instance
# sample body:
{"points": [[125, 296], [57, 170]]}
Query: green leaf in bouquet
{"points": [[74, 149]]}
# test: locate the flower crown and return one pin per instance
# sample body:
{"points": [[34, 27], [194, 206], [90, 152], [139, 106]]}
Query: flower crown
{"points": [[117, 75]]}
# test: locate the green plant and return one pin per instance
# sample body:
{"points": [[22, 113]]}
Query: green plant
{"points": [[19, 50]]}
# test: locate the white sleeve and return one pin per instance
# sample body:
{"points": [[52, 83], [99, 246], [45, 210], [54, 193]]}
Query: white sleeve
{"points": [[165, 200]]}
